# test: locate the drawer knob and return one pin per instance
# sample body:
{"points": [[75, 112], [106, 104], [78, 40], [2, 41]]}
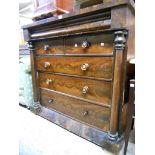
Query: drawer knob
{"points": [[48, 81], [102, 44], [85, 44], [76, 45], [84, 67], [85, 113], [47, 64], [46, 47], [85, 90], [50, 101]]}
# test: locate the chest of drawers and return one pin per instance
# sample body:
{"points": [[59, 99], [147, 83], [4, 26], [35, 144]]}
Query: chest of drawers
{"points": [[78, 63]]}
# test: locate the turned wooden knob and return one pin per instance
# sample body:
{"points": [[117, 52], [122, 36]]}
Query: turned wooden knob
{"points": [[46, 47], [85, 44], [48, 81], [47, 64], [85, 113], [85, 90], [84, 67], [50, 101]]}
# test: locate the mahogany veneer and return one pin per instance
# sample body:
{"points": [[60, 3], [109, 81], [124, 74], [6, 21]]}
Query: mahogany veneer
{"points": [[79, 70]]}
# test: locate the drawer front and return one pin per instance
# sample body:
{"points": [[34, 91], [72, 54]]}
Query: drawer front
{"points": [[92, 44], [91, 114], [99, 67], [53, 46], [93, 90]]}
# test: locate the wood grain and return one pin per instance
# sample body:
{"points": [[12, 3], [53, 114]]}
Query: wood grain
{"points": [[99, 43], [99, 91], [126, 19], [118, 82], [97, 116], [96, 25], [98, 66], [56, 46]]}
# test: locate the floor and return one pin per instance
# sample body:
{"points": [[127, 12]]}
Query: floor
{"points": [[38, 136]]}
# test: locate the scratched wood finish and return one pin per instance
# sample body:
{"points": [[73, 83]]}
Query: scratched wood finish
{"points": [[99, 91], [55, 46], [98, 66], [91, 114], [99, 43]]}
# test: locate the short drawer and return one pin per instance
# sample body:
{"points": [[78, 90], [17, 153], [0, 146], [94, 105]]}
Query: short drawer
{"points": [[91, 44], [99, 67], [94, 115], [95, 91], [52, 46]]}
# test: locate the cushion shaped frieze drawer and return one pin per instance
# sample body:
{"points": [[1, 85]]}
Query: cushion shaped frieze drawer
{"points": [[90, 44], [91, 114], [51, 46], [95, 91], [97, 67]]}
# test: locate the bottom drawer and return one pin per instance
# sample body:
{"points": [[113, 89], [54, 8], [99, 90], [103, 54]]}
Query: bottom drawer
{"points": [[94, 115]]}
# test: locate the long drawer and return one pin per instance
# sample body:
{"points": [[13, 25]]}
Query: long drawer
{"points": [[92, 90], [85, 112], [99, 67], [84, 44]]}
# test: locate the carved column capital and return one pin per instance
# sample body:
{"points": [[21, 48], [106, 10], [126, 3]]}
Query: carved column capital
{"points": [[120, 39], [30, 46]]}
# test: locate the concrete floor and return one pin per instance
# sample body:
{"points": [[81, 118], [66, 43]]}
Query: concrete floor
{"points": [[38, 136]]}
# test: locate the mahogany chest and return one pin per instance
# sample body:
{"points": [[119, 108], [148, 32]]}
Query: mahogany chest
{"points": [[78, 63]]}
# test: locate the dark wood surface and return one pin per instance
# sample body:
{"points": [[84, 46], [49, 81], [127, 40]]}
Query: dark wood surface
{"points": [[72, 29], [99, 67], [126, 19], [54, 46], [118, 81], [96, 44], [101, 43], [98, 91], [75, 59], [91, 114], [101, 16]]}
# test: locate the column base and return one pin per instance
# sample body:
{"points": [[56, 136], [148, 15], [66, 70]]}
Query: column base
{"points": [[113, 137], [35, 108], [113, 143]]}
